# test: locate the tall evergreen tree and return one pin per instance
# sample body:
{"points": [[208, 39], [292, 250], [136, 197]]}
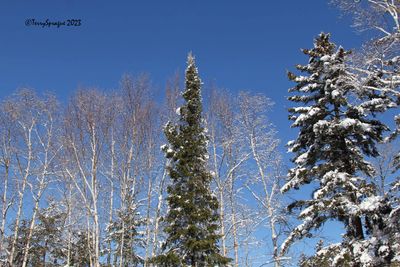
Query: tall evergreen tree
{"points": [[337, 133], [192, 219]]}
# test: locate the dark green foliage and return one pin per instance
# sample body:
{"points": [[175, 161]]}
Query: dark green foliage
{"points": [[21, 241], [48, 235], [338, 132], [80, 250], [126, 223], [47, 246], [192, 220]]}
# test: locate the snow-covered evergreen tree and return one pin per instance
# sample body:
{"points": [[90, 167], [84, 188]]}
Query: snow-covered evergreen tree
{"points": [[81, 249], [21, 242], [337, 134], [50, 236], [378, 68], [122, 232], [192, 219]]}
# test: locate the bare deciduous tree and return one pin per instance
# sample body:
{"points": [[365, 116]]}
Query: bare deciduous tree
{"points": [[7, 199], [264, 183], [23, 111], [87, 126], [381, 15], [47, 148], [100, 161]]}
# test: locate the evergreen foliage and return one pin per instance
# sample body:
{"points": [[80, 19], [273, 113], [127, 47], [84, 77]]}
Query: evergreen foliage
{"points": [[192, 219], [338, 133], [123, 231]]}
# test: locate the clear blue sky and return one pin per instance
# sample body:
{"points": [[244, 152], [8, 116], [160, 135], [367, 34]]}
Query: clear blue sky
{"points": [[238, 44]]}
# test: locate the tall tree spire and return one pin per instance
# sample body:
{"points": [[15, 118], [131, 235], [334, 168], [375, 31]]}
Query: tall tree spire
{"points": [[192, 219]]}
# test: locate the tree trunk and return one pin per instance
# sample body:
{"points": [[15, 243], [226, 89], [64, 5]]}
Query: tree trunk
{"points": [[110, 219], [5, 205], [109, 222], [44, 254], [30, 233], [21, 193], [158, 211], [149, 191], [122, 245], [221, 195], [234, 227]]}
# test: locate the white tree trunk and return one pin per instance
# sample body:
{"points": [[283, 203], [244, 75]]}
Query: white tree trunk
{"points": [[5, 205], [21, 191], [158, 210]]}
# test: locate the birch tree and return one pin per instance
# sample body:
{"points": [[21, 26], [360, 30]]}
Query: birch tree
{"points": [[7, 196], [377, 63], [47, 148], [135, 164], [228, 156], [22, 109], [87, 125], [264, 183]]}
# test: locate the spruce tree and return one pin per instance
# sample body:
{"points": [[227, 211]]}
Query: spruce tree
{"points": [[338, 132], [123, 231], [192, 219], [49, 236], [81, 249]]}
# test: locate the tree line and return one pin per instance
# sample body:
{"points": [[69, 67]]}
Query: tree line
{"points": [[84, 183], [93, 182]]}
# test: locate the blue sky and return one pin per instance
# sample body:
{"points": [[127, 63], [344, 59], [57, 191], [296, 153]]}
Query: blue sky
{"points": [[239, 45]]}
